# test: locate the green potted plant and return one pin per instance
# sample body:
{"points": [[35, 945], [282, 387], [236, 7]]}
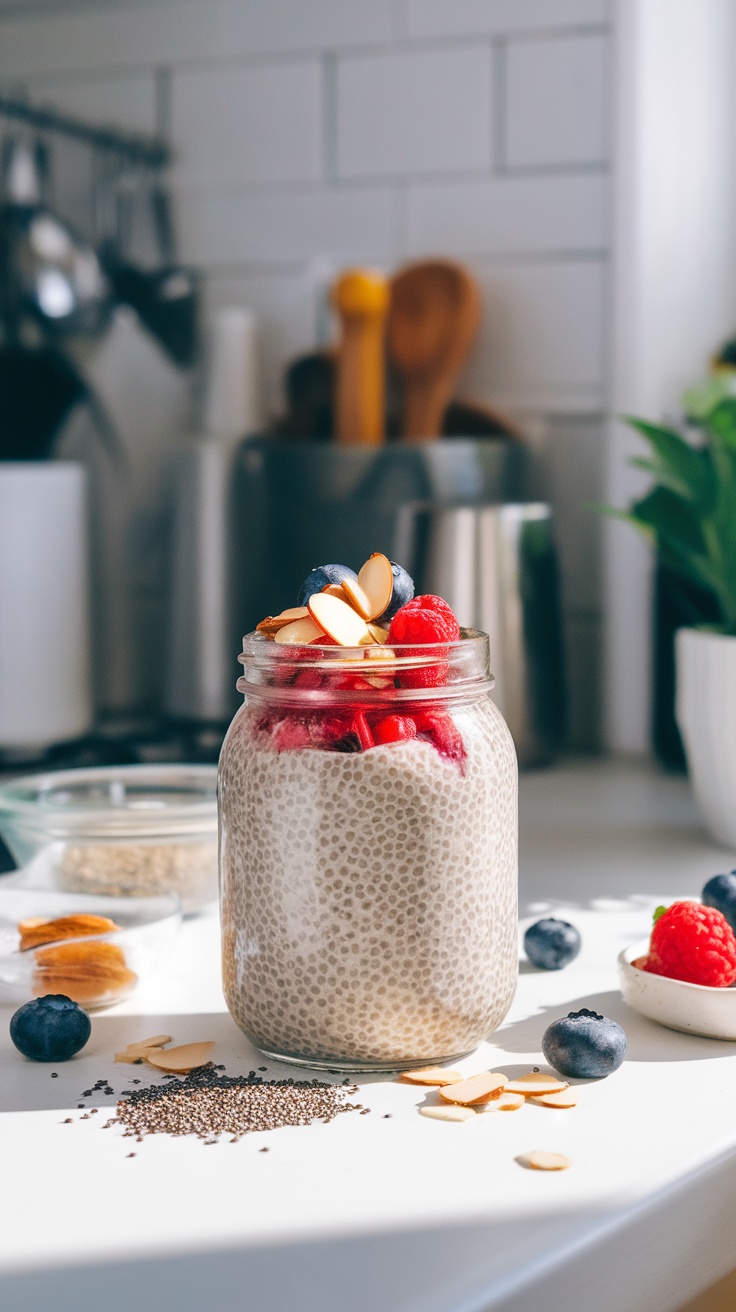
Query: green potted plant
{"points": [[689, 515]]}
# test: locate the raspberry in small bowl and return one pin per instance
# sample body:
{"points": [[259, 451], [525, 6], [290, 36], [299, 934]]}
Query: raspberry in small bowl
{"points": [[683, 976]]}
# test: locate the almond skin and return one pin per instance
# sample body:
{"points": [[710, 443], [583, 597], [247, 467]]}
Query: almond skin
{"points": [[90, 973], [35, 932]]}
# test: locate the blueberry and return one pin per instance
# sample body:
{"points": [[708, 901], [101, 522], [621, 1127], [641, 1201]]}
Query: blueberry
{"points": [[720, 892], [321, 578], [403, 591], [551, 944], [584, 1045], [50, 1029]]}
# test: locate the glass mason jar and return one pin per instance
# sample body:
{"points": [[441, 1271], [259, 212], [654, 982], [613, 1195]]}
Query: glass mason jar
{"points": [[368, 854]]}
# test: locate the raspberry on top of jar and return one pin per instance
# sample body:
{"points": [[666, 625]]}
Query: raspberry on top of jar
{"points": [[374, 610]]}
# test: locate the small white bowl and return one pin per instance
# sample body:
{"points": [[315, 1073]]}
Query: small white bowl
{"points": [[691, 1008]]}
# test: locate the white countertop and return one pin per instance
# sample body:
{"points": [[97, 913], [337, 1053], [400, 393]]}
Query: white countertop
{"points": [[401, 1213]]}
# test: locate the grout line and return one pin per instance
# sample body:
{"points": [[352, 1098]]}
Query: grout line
{"points": [[569, 169], [401, 232], [378, 181], [378, 48], [499, 85], [329, 116]]}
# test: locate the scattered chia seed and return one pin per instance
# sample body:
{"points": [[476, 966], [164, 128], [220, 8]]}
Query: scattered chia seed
{"points": [[68, 1121], [263, 1068], [130, 1154], [207, 1105], [263, 1150], [54, 1075], [387, 1116], [80, 1105]]}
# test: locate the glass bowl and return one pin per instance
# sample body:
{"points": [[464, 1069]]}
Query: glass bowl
{"points": [[120, 831], [97, 970]]}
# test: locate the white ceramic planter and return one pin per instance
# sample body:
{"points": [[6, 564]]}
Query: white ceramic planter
{"points": [[706, 715]]}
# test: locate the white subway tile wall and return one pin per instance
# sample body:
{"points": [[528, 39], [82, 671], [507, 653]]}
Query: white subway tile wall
{"points": [[555, 102], [419, 111], [312, 133], [248, 123]]}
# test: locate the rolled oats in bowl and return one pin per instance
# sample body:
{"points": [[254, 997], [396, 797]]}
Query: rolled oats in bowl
{"points": [[120, 830]]}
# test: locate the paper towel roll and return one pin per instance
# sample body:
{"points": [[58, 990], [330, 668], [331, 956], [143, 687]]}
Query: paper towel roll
{"points": [[231, 407], [45, 686]]}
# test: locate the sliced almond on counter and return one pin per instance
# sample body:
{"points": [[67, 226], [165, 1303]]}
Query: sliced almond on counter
{"points": [[180, 1060], [431, 1075], [534, 1084], [479, 1088], [158, 1041], [338, 620], [506, 1102], [300, 632], [139, 1050], [563, 1098], [273, 623], [539, 1161], [34, 931], [448, 1113]]}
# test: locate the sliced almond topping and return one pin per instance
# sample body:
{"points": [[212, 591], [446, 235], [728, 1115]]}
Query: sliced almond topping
{"points": [[273, 623], [506, 1102], [431, 1075], [447, 1113], [35, 931], [538, 1161], [479, 1088], [563, 1098], [532, 1086], [180, 1060], [300, 632], [372, 592], [357, 598], [338, 620], [377, 652], [380, 636]]}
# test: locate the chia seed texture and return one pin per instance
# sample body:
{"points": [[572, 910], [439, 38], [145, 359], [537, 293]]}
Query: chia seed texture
{"points": [[207, 1105]]}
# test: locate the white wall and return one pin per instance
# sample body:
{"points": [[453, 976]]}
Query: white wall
{"points": [[673, 280], [313, 133]]}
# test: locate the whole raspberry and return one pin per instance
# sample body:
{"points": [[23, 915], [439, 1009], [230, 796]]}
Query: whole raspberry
{"points": [[425, 619], [693, 943]]}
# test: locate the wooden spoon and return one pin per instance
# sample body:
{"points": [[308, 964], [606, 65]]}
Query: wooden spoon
{"points": [[361, 298], [433, 320]]}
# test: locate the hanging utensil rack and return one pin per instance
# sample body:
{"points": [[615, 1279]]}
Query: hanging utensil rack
{"points": [[148, 151]]}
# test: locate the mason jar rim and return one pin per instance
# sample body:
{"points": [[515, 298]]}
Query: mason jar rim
{"points": [[467, 660]]}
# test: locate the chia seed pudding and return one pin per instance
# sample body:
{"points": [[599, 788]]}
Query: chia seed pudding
{"points": [[368, 897]]}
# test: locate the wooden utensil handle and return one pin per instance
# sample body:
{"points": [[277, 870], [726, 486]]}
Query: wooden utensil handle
{"points": [[361, 300]]}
